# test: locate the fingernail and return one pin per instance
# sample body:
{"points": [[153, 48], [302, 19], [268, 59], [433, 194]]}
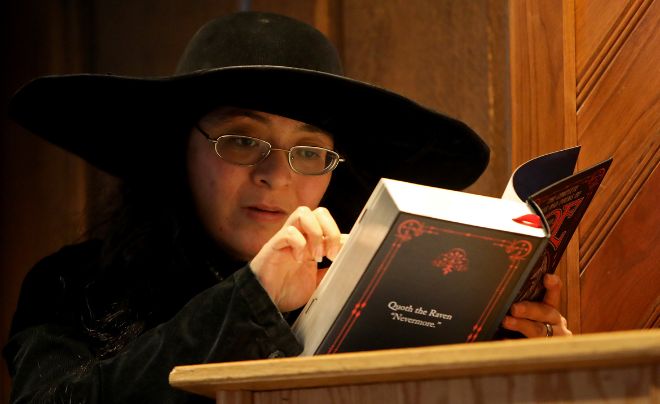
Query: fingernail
{"points": [[518, 309], [332, 254], [508, 321], [318, 254]]}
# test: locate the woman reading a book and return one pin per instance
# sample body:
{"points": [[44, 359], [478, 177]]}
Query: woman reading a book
{"points": [[237, 175]]}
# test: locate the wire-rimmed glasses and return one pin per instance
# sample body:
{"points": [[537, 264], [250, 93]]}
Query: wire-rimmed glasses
{"points": [[249, 151]]}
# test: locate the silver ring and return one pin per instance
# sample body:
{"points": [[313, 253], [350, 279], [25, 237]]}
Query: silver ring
{"points": [[548, 330]]}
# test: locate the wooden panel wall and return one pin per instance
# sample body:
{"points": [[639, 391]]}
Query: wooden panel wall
{"points": [[618, 114], [588, 73], [449, 55]]}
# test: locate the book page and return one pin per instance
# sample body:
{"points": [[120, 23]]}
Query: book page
{"points": [[540, 172]]}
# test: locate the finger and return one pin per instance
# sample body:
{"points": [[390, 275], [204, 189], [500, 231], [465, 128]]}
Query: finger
{"points": [[343, 238], [536, 311], [331, 233], [306, 222], [311, 228], [552, 285], [529, 328], [294, 217], [290, 237], [532, 329]]}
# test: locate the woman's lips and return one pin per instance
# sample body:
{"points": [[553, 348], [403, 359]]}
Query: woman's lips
{"points": [[265, 213]]}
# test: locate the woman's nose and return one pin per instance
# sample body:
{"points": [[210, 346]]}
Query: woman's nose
{"points": [[274, 171]]}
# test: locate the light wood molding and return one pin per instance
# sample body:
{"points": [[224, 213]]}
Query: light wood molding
{"points": [[606, 350]]}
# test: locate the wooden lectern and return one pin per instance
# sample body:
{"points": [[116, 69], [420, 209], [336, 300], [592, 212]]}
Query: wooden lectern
{"points": [[606, 367]]}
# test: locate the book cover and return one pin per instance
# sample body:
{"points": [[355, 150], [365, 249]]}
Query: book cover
{"points": [[432, 281]]}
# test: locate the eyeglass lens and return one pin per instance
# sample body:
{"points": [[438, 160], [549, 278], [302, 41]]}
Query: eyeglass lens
{"points": [[249, 151]]}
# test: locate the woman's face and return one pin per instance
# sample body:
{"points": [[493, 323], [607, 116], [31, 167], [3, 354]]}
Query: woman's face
{"points": [[242, 207]]}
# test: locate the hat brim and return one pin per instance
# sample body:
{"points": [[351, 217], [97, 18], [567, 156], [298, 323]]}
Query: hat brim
{"points": [[126, 126]]}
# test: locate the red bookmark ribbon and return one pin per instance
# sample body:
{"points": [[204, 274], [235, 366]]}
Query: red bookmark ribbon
{"points": [[529, 220]]}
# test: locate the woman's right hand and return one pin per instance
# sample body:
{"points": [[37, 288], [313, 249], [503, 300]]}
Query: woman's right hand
{"points": [[287, 265]]}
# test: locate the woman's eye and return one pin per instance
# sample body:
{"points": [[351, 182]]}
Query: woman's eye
{"points": [[309, 154], [244, 142]]}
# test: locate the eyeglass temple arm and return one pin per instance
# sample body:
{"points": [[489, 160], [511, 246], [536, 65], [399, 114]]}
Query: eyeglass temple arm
{"points": [[206, 135]]}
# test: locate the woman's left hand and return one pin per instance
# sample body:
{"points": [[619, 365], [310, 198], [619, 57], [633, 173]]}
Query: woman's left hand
{"points": [[539, 319]]}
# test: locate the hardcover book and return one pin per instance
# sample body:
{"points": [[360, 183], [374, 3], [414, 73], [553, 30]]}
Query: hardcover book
{"points": [[428, 266]]}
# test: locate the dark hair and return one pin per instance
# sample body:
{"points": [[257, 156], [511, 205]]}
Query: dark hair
{"points": [[149, 236]]}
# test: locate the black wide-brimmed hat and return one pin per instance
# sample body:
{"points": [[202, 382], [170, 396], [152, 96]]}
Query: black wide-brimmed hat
{"points": [[131, 127]]}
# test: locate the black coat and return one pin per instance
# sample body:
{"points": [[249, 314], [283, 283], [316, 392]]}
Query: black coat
{"points": [[54, 356]]}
